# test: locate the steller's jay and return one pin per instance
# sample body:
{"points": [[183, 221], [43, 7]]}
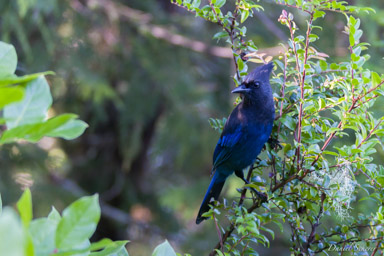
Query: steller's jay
{"points": [[245, 133]]}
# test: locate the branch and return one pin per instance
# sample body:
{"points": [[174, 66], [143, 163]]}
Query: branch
{"points": [[232, 227], [311, 237], [370, 134], [376, 248], [302, 90], [353, 106], [143, 21], [107, 211]]}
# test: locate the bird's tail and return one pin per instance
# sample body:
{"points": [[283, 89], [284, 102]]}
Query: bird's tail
{"points": [[214, 190]]}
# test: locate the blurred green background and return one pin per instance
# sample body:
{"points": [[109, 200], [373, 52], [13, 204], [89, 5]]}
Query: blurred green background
{"points": [[146, 76]]}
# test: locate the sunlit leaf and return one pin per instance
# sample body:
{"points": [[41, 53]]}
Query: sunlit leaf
{"points": [[8, 59], [164, 249], [12, 239], [33, 108], [24, 206], [78, 223]]}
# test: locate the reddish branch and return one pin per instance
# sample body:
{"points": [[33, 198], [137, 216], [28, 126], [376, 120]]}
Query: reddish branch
{"points": [[302, 90], [353, 106]]}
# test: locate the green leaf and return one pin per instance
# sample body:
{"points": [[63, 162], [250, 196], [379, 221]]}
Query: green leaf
{"points": [[219, 3], [313, 191], [78, 223], [220, 35], [240, 64], [24, 206], [64, 126], [70, 130], [100, 244], [12, 238], [219, 252], [380, 179], [114, 248], [33, 108], [43, 232], [196, 4], [8, 59], [332, 130], [323, 65], [244, 15], [376, 80], [270, 231], [164, 249], [10, 94], [29, 249], [358, 34], [54, 215], [318, 14], [11, 79]]}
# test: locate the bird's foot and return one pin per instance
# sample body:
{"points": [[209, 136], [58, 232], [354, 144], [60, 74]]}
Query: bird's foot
{"points": [[263, 197], [274, 142]]}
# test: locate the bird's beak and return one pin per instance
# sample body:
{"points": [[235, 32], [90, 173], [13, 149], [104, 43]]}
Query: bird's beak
{"points": [[241, 89]]}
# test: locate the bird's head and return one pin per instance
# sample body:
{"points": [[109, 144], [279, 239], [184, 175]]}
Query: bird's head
{"points": [[256, 88]]}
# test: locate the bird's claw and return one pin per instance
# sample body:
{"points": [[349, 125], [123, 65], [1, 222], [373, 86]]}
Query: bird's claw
{"points": [[274, 142], [263, 197]]}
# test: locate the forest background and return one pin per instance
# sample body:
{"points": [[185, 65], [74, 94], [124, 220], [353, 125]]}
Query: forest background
{"points": [[146, 76]]}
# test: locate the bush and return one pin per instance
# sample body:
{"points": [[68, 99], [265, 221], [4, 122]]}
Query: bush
{"points": [[317, 173]]}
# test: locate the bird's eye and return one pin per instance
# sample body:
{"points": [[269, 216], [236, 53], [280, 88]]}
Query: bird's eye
{"points": [[256, 84]]}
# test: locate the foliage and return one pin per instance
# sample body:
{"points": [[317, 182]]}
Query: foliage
{"points": [[24, 114], [62, 235], [317, 173], [66, 234], [25, 102]]}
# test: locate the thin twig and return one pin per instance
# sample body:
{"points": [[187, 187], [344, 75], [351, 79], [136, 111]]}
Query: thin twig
{"points": [[309, 29], [376, 248], [218, 231]]}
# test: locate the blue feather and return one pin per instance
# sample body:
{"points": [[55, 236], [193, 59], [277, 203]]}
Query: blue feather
{"points": [[244, 134]]}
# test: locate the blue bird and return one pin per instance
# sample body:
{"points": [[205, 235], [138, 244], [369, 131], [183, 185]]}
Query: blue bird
{"points": [[244, 134]]}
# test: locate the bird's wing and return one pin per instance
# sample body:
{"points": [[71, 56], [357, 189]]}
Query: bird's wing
{"points": [[225, 145]]}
